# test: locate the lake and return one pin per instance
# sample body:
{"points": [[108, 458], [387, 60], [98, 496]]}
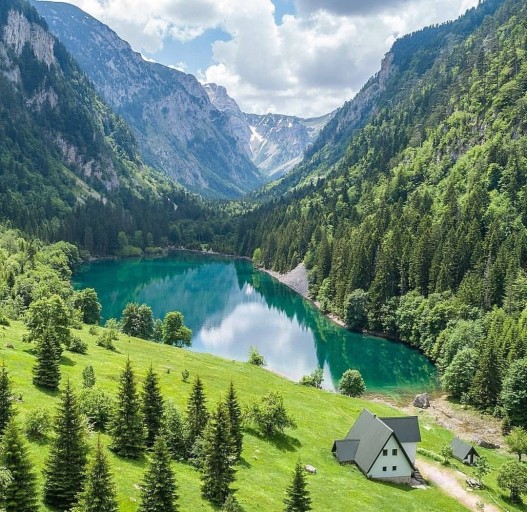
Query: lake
{"points": [[231, 306]]}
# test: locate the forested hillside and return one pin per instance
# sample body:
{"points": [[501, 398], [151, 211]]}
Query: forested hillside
{"points": [[419, 230], [69, 167]]}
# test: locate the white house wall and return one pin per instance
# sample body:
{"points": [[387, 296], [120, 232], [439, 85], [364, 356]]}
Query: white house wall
{"points": [[389, 461], [411, 450]]}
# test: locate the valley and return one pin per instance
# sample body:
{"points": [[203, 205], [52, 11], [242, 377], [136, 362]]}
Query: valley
{"points": [[144, 206]]}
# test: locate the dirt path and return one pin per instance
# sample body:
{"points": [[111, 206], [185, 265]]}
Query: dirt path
{"points": [[452, 483]]}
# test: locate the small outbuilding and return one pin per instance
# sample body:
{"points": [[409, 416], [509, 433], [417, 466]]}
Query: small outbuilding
{"points": [[463, 451], [382, 448]]}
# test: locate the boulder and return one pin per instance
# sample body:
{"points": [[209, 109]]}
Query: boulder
{"points": [[422, 401], [310, 469], [485, 443]]}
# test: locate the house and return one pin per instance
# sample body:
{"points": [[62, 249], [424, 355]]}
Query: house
{"points": [[464, 451], [382, 448]]}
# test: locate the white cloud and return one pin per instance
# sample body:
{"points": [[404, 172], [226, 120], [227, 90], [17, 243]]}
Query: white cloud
{"points": [[308, 64]]}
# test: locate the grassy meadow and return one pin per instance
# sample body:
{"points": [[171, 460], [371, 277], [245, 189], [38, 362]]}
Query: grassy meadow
{"points": [[266, 466]]}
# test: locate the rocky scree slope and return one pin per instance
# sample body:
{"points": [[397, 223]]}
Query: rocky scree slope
{"points": [[275, 143]]}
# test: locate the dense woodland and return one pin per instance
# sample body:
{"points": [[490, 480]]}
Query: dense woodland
{"points": [[420, 230], [69, 167]]}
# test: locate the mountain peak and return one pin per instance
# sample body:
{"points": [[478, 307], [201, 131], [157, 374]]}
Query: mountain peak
{"points": [[178, 129]]}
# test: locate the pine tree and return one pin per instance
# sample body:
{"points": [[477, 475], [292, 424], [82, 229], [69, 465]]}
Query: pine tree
{"points": [[152, 407], [127, 426], [197, 415], [20, 494], [65, 467], [486, 385], [297, 495], [99, 491], [159, 485], [235, 422], [46, 372], [217, 464], [6, 400], [88, 377], [174, 432]]}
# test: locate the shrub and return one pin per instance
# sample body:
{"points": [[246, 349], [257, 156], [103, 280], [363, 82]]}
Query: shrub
{"points": [[107, 338], [185, 374], [270, 415], [97, 406], [78, 346], [352, 383], [38, 424], [255, 357], [314, 380], [93, 330], [447, 453]]}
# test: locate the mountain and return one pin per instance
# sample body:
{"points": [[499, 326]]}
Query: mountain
{"points": [[69, 167], [178, 129], [410, 209], [275, 143]]}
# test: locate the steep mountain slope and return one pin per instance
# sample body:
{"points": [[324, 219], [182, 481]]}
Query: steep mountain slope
{"points": [[178, 129], [406, 63], [69, 167], [420, 229], [274, 142]]}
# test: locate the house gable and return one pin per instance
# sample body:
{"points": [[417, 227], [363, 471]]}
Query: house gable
{"points": [[392, 462]]}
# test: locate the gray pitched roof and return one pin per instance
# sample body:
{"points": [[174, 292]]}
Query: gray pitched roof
{"points": [[406, 428], [345, 449], [369, 436], [373, 435], [461, 449]]}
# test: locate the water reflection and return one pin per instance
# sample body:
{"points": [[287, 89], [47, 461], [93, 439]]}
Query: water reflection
{"points": [[231, 306]]}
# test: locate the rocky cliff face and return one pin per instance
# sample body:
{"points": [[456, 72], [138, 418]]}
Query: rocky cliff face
{"points": [[29, 60], [274, 142], [178, 129]]}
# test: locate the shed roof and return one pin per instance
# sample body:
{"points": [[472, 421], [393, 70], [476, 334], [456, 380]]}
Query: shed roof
{"points": [[406, 428], [345, 450], [462, 449]]}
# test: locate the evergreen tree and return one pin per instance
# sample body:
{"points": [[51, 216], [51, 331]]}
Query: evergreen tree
{"points": [[174, 432], [6, 399], [65, 467], [20, 494], [217, 463], [88, 377], [46, 372], [514, 393], [127, 426], [99, 490], [486, 385], [297, 495], [152, 403], [197, 414], [235, 422], [158, 492]]}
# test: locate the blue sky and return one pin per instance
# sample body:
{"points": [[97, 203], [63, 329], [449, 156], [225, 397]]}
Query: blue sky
{"points": [[299, 57]]}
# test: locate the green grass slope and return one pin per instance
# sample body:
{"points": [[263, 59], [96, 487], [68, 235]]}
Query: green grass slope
{"points": [[266, 468]]}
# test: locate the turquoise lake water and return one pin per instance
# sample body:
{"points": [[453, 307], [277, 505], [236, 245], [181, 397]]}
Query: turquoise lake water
{"points": [[231, 306]]}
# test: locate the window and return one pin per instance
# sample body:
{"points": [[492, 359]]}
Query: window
{"points": [[385, 452], [394, 451], [384, 468], [394, 468]]}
